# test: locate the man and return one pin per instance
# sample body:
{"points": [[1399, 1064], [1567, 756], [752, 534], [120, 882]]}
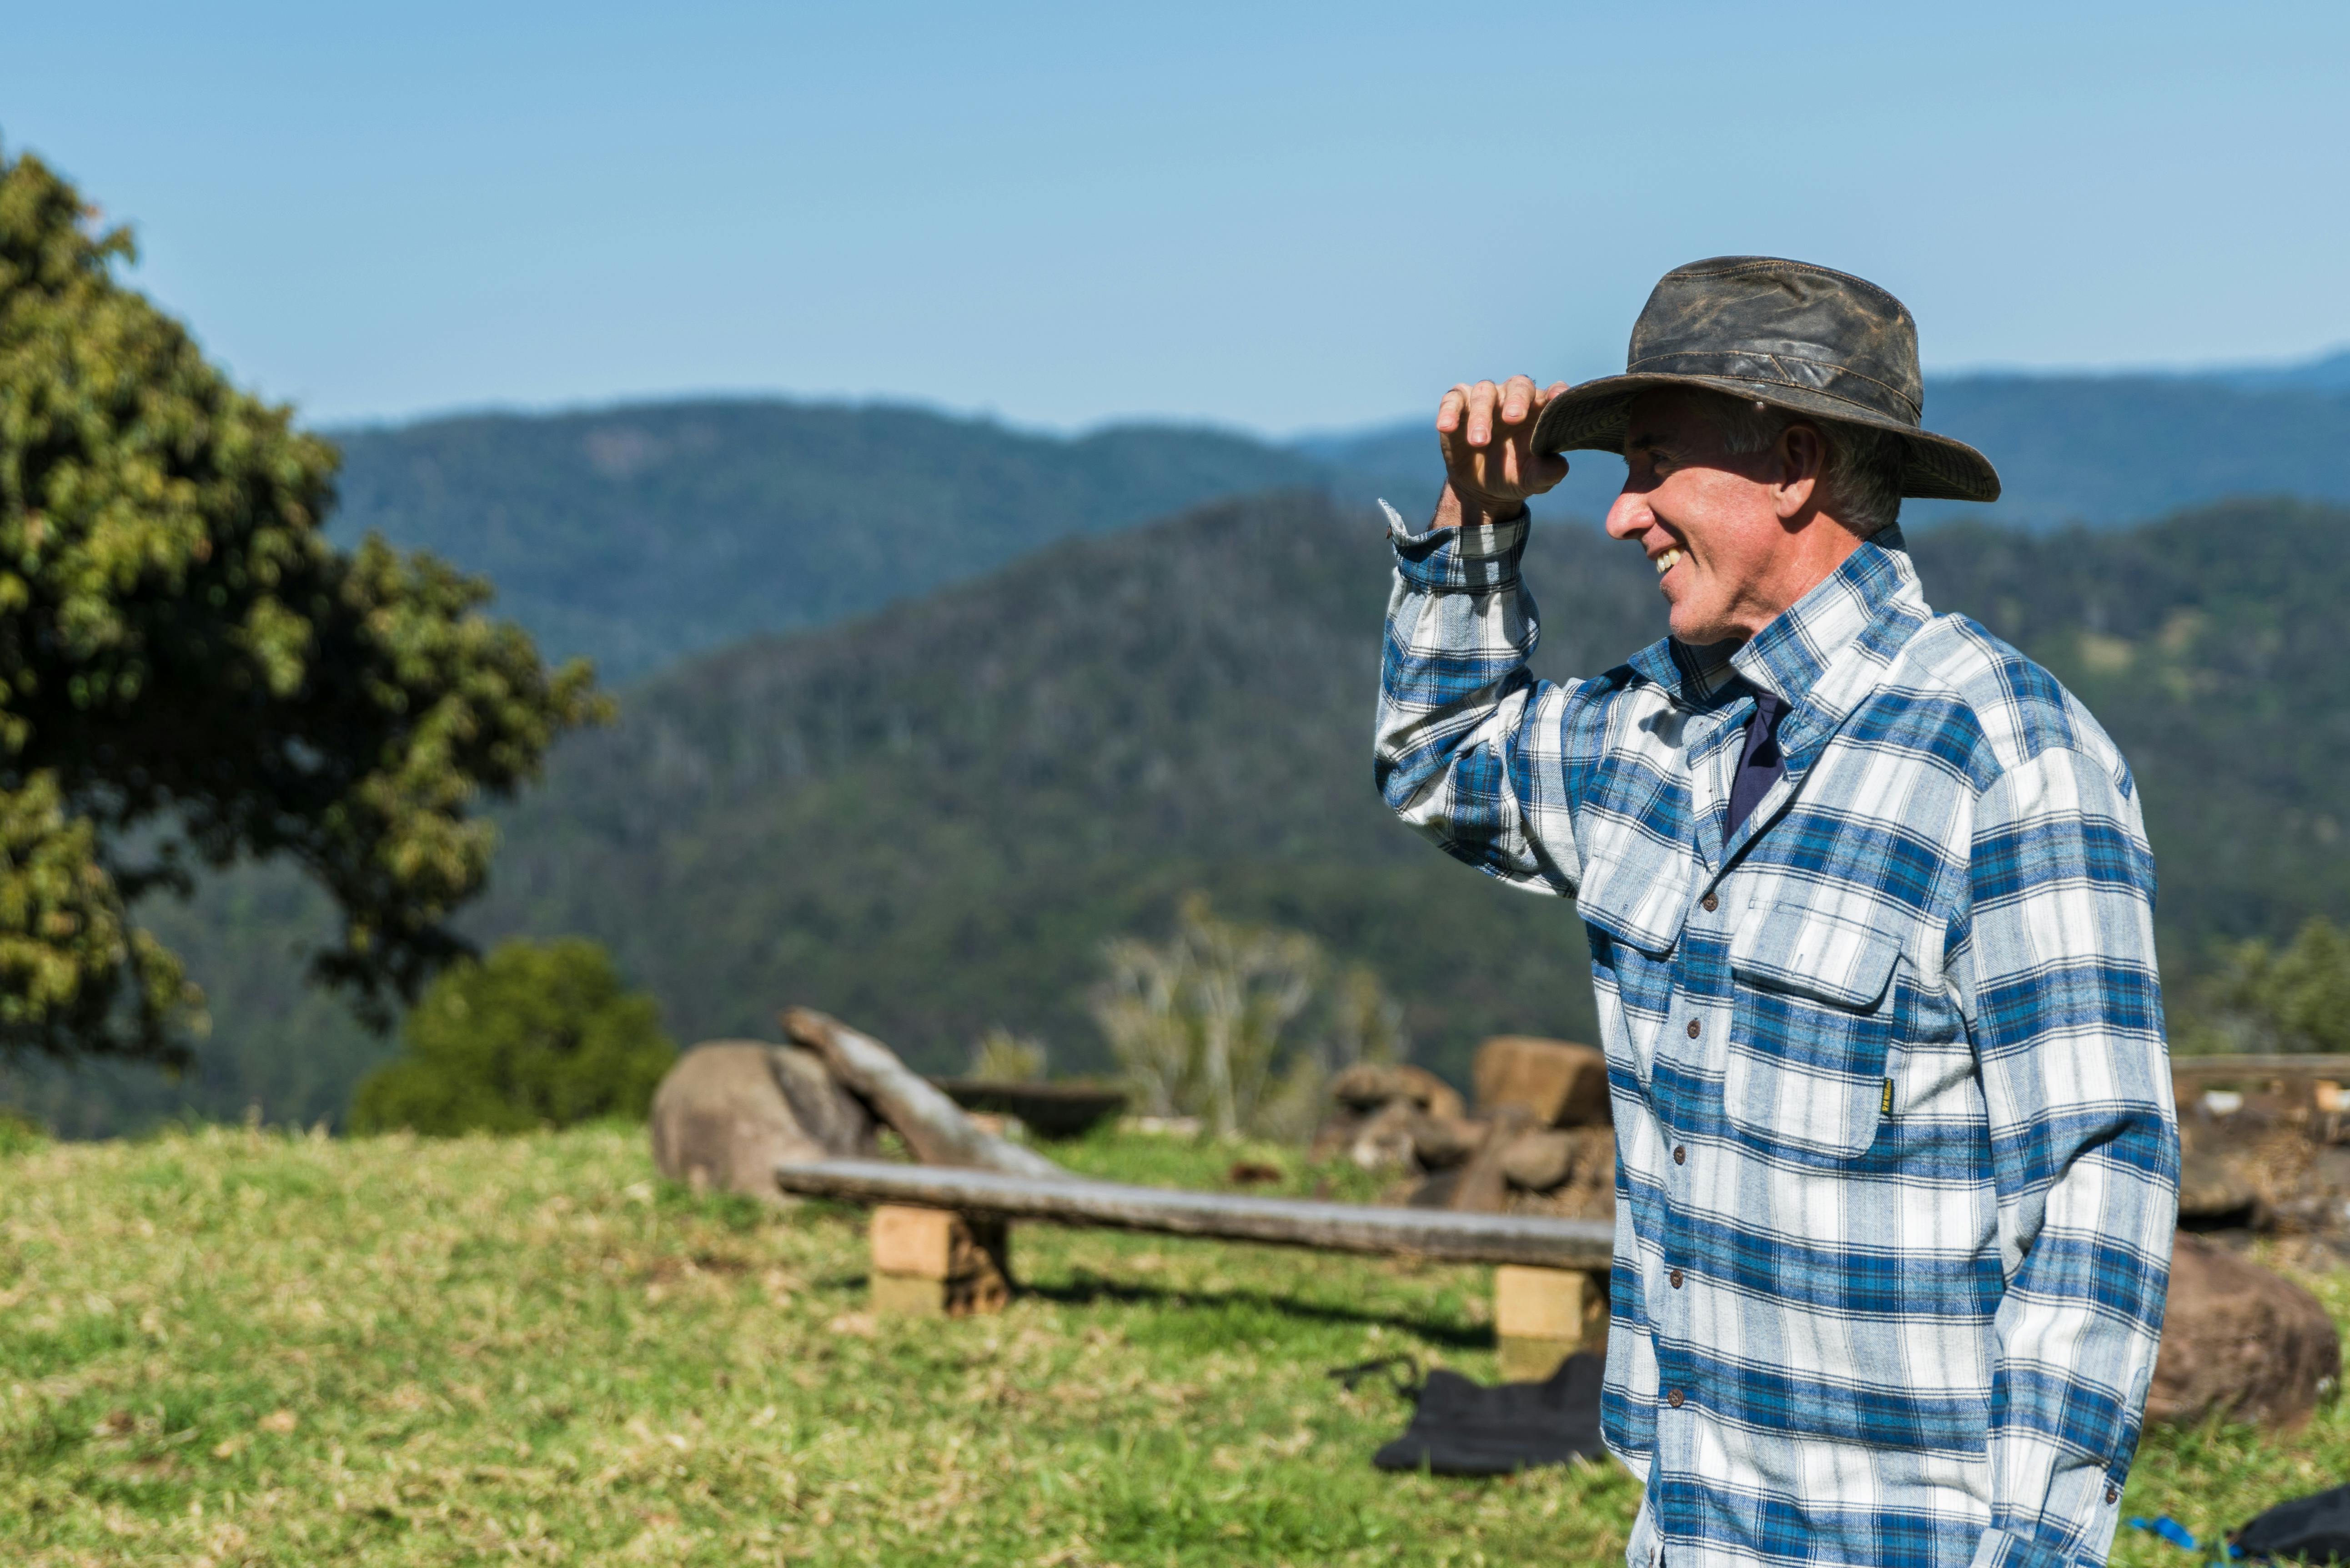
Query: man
{"points": [[1870, 914]]}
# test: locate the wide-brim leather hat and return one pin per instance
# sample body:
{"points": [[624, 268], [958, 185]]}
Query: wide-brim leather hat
{"points": [[1788, 334]]}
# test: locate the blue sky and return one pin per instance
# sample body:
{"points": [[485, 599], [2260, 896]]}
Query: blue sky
{"points": [[1277, 217]]}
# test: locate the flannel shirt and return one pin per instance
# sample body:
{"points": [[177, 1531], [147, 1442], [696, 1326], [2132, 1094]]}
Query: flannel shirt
{"points": [[1896, 1159]]}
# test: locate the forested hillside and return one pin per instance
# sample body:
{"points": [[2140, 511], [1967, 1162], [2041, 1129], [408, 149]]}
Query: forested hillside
{"points": [[636, 534], [929, 819]]}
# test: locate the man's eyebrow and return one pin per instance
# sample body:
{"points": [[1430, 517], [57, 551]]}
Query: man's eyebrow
{"points": [[1648, 438]]}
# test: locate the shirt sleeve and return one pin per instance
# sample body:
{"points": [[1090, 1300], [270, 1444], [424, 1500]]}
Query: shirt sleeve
{"points": [[2062, 998], [1468, 748]]}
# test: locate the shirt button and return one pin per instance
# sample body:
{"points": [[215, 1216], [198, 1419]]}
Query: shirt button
{"points": [[1712, 903], [1681, 1154], [2113, 1495], [1676, 1278], [1674, 1398], [1692, 1028]]}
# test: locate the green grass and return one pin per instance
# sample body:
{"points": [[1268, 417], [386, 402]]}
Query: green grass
{"points": [[228, 1346]]}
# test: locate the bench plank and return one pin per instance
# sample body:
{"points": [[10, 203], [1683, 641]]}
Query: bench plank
{"points": [[1437, 1234]]}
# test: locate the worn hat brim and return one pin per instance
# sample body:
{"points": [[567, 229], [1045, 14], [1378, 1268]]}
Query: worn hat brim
{"points": [[1590, 417]]}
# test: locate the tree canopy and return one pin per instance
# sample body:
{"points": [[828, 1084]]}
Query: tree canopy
{"points": [[2266, 997], [191, 674]]}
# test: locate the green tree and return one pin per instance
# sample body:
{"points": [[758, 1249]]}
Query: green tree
{"points": [[191, 674], [2269, 999], [536, 1034]]}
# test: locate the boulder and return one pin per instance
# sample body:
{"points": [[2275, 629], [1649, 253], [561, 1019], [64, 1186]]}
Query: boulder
{"points": [[1368, 1086], [1539, 1160], [1382, 1140], [1481, 1186], [2240, 1341], [1561, 1084], [1440, 1142], [2211, 1191], [730, 1111]]}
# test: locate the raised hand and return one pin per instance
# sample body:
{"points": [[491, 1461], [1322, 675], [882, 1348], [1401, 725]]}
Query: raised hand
{"points": [[1489, 466]]}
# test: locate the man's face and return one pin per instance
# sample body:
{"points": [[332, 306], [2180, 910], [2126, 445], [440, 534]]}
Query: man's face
{"points": [[1711, 523]]}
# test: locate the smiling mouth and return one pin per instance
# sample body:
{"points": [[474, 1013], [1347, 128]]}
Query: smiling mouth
{"points": [[1669, 560]]}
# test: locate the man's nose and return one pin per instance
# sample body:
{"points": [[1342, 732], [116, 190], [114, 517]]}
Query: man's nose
{"points": [[1629, 517]]}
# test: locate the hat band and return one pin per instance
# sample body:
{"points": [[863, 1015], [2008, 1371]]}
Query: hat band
{"points": [[1796, 372]]}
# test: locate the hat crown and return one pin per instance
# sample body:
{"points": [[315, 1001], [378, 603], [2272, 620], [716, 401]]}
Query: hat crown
{"points": [[1770, 319]]}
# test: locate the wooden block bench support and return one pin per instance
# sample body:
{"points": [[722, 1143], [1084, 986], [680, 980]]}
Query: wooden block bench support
{"points": [[929, 1262], [1534, 1296], [1542, 1316]]}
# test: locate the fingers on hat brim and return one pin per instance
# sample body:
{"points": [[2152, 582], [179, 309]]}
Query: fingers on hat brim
{"points": [[1590, 417]]}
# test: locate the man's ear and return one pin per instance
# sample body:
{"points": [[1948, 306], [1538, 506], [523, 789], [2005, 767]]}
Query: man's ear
{"points": [[1800, 454]]}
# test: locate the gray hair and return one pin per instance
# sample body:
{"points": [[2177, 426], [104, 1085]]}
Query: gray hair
{"points": [[1863, 471]]}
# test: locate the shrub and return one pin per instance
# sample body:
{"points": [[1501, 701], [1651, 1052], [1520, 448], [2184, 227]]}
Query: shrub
{"points": [[536, 1034], [2269, 998]]}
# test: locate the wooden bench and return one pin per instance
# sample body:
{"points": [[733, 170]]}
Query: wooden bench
{"points": [[941, 1246]]}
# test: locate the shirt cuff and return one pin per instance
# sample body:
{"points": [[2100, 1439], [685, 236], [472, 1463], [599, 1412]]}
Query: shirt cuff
{"points": [[1478, 559]]}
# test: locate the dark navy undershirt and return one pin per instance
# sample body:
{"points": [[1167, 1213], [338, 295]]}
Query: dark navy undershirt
{"points": [[1759, 765]]}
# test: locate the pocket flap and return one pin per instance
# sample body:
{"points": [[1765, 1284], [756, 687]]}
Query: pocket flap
{"points": [[1800, 950]]}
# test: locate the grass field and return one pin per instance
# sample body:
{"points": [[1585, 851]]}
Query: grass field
{"points": [[228, 1346]]}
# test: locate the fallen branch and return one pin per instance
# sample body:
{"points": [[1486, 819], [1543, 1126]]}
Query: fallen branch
{"points": [[933, 1126]]}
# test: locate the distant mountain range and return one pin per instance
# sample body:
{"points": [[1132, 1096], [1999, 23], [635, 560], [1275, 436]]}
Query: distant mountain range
{"points": [[640, 534], [2326, 373], [928, 818]]}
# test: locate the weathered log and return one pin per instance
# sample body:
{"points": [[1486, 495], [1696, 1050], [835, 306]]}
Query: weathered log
{"points": [[2252, 1069], [933, 1125], [1435, 1234]]}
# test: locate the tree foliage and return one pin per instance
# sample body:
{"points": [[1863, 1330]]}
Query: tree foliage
{"points": [[190, 673], [2269, 998], [534, 1035]]}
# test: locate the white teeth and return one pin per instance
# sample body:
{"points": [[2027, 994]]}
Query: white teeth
{"points": [[1668, 561]]}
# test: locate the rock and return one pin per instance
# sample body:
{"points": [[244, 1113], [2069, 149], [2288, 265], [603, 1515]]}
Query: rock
{"points": [[1563, 1084], [1368, 1086], [1441, 1142], [1383, 1140], [2329, 1169], [2240, 1341], [1436, 1192], [1482, 1187], [2212, 1191], [1335, 1137], [1539, 1160], [730, 1111]]}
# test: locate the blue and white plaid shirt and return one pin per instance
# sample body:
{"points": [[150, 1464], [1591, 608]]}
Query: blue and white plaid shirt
{"points": [[1896, 1158]]}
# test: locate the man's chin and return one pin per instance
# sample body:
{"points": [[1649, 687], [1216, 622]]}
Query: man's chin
{"points": [[1696, 629]]}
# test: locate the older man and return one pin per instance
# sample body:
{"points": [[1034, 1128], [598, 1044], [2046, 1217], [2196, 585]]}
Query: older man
{"points": [[1869, 906]]}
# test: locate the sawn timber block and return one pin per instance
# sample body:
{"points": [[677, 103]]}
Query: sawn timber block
{"points": [[932, 1263], [1542, 1316]]}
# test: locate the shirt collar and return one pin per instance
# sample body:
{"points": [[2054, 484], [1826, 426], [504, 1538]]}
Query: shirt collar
{"points": [[1788, 657]]}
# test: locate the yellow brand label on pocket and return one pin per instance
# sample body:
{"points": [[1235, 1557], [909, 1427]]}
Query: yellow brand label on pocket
{"points": [[1887, 1108]]}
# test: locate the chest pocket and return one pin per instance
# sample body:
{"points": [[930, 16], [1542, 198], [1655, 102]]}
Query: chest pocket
{"points": [[1812, 1031]]}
